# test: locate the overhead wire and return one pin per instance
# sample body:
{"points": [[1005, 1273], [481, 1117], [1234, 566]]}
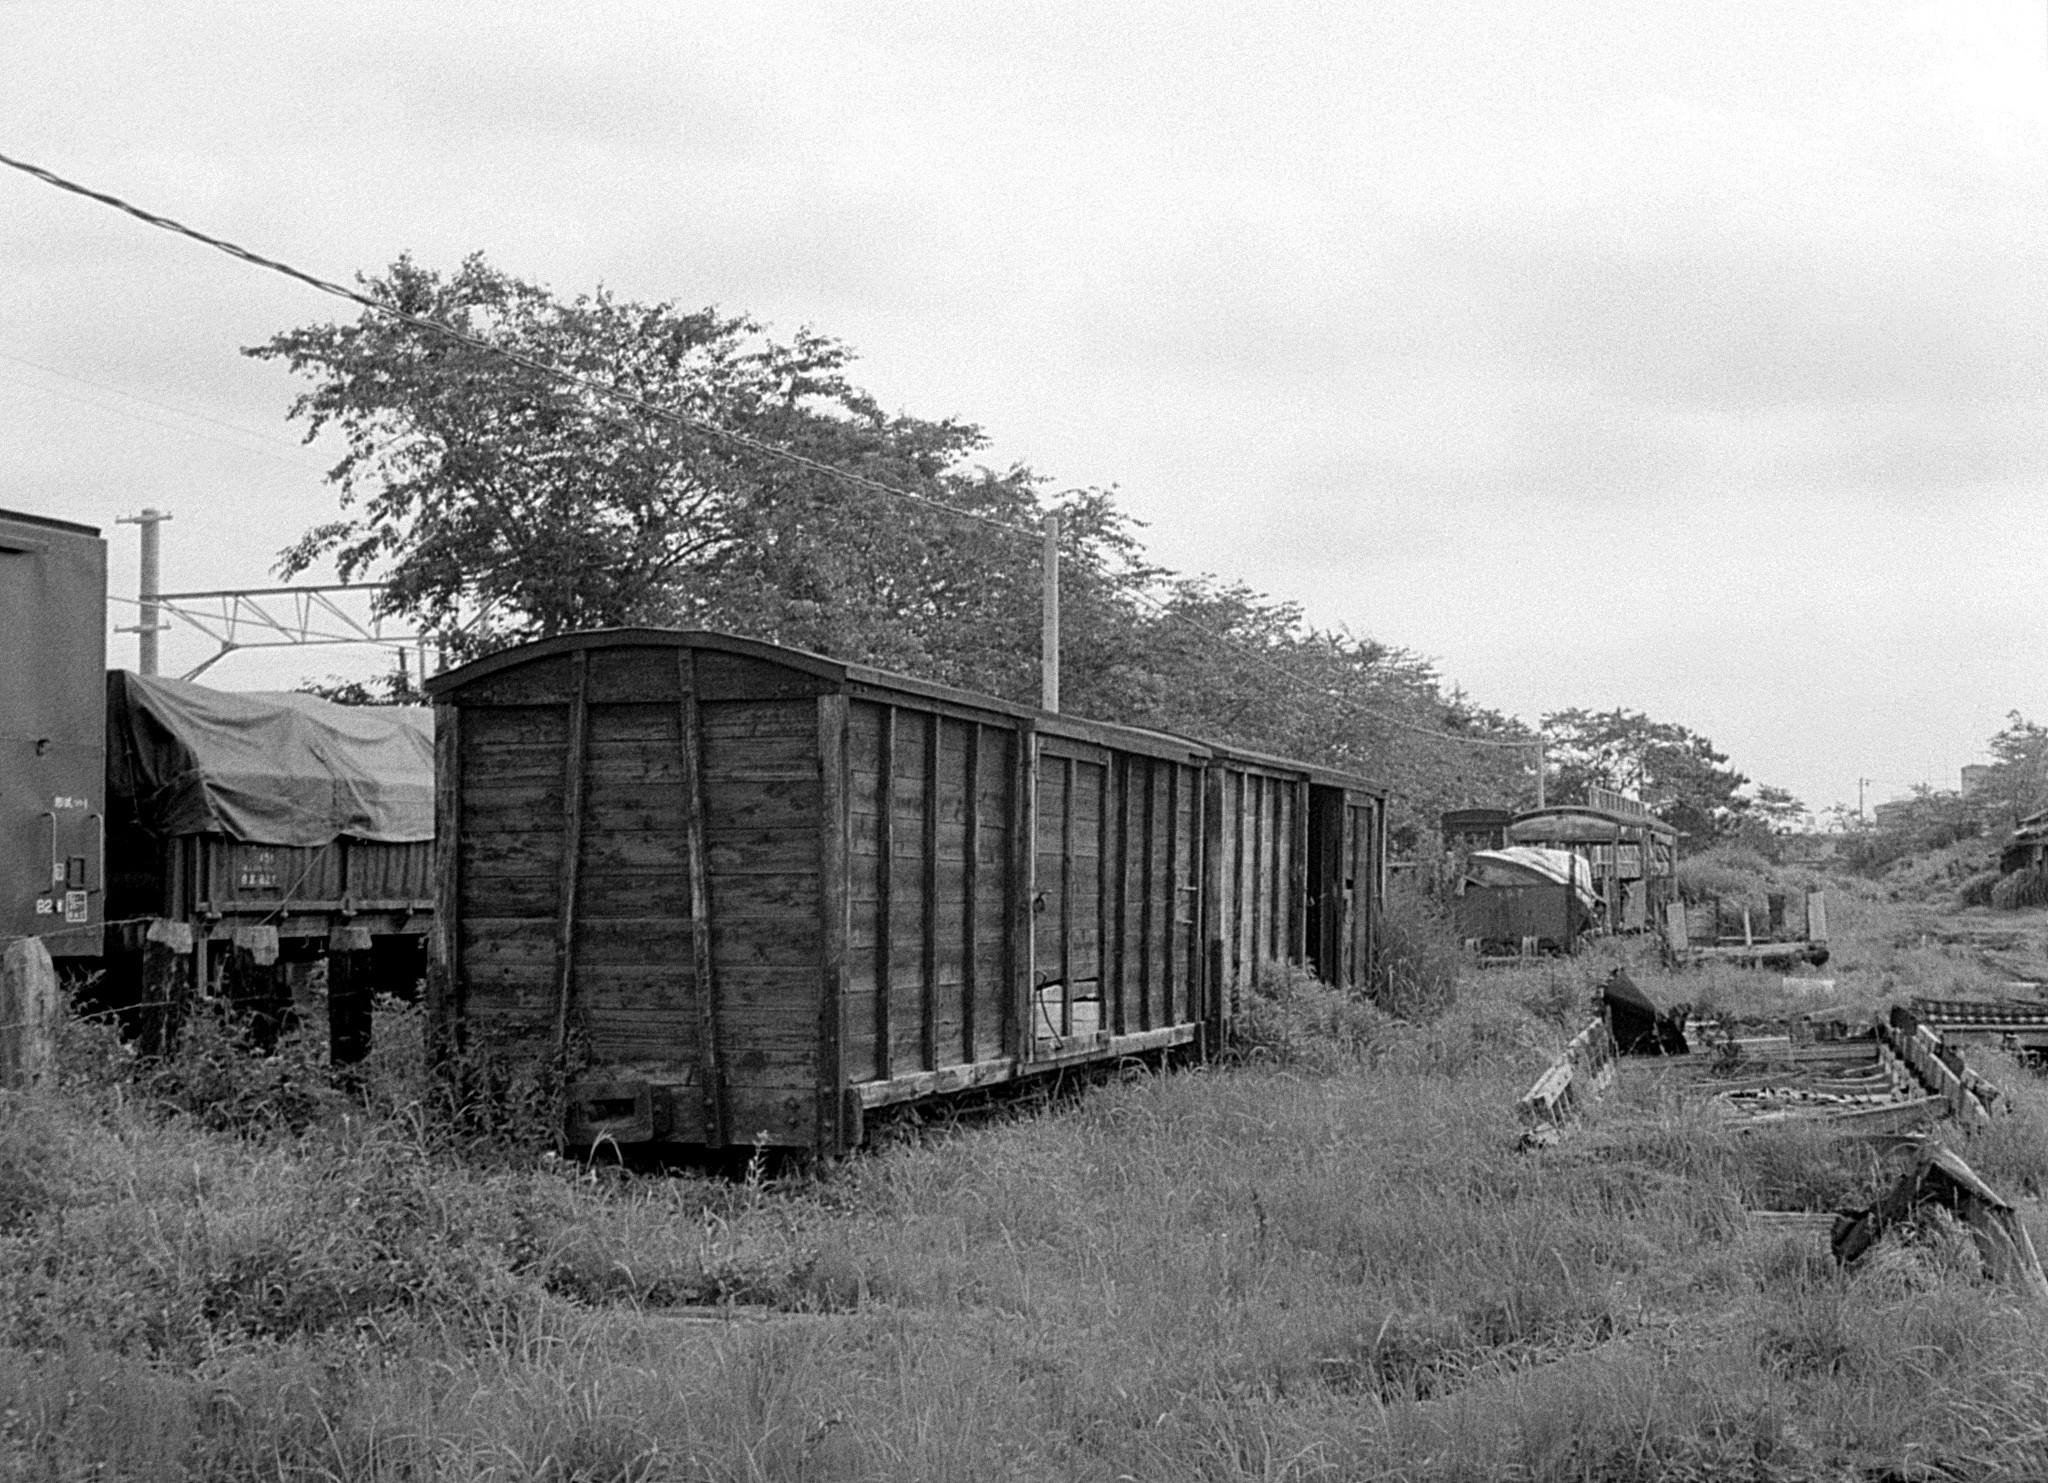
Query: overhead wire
{"points": [[693, 423]]}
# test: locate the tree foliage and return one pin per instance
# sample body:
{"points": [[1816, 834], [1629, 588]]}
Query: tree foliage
{"points": [[502, 504], [1676, 772], [2017, 783]]}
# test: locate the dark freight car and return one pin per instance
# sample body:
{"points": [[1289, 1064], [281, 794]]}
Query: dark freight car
{"points": [[1296, 870], [53, 601], [747, 893], [267, 831]]}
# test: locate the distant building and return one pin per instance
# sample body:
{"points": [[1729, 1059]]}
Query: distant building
{"points": [[1894, 815], [1808, 848]]}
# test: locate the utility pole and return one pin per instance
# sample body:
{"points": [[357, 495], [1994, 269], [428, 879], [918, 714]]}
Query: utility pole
{"points": [[1539, 769], [1049, 632], [149, 588], [1861, 784]]}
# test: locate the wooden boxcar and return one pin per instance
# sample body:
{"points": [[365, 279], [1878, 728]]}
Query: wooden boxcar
{"points": [[1295, 871], [746, 894]]}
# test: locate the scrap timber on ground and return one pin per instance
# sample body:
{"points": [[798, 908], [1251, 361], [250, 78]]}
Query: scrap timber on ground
{"points": [[1891, 1084], [1898, 1076]]}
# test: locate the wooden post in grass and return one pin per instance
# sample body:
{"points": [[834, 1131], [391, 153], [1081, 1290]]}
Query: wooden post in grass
{"points": [[29, 1007], [168, 984], [349, 987]]}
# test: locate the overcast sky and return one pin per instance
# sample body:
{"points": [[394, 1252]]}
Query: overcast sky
{"points": [[1684, 358]]}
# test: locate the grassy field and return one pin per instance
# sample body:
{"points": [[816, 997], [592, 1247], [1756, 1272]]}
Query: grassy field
{"points": [[1325, 1261]]}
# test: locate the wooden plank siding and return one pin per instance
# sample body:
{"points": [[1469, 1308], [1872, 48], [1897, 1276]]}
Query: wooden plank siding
{"points": [[747, 894], [928, 883]]}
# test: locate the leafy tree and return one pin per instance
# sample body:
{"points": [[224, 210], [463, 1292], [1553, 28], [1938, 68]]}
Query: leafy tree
{"points": [[1777, 811], [501, 503], [1676, 772], [2017, 784]]}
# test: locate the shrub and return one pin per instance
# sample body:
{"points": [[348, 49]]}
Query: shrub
{"points": [[1978, 889], [2021, 888], [1418, 956], [31, 1163], [1294, 1018], [218, 1076]]}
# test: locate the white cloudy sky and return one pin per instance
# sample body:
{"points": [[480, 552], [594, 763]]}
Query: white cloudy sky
{"points": [[1688, 358]]}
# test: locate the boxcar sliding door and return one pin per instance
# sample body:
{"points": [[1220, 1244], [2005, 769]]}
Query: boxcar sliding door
{"points": [[929, 865], [1065, 1005]]}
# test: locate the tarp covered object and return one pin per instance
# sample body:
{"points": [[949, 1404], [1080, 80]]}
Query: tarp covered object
{"points": [[1523, 864], [268, 768]]}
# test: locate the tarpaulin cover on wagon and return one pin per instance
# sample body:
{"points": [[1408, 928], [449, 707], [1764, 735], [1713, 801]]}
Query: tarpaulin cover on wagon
{"points": [[268, 768], [1522, 865]]}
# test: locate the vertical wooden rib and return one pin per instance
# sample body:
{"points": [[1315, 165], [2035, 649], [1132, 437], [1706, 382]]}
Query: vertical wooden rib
{"points": [[1347, 855], [1018, 948], [1167, 980], [928, 907], [1244, 911], [1147, 888], [1067, 897], [885, 882], [832, 1135], [571, 864], [1120, 925], [710, 1072], [1297, 876], [1198, 956], [970, 892], [1209, 953], [444, 985], [1101, 917]]}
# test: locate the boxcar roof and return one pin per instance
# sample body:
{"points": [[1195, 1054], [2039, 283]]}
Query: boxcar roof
{"points": [[838, 673], [1570, 820], [47, 522], [1315, 772]]}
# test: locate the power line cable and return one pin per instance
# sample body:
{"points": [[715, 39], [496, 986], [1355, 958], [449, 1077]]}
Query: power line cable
{"points": [[463, 337], [135, 416], [670, 415], [161, 406]]}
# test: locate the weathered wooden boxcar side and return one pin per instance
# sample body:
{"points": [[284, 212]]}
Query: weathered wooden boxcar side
{"points": [[745, 893], [1295, 871]]}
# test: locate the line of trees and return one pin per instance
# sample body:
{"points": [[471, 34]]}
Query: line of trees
{"points": [[501, 504]]}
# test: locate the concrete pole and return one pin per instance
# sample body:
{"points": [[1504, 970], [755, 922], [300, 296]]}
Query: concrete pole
{"points": [[1049, 633], [1539, 771], [150, 586]]}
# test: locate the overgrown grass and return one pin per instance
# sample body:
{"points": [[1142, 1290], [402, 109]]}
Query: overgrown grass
{"points": [[1324, 1261]]}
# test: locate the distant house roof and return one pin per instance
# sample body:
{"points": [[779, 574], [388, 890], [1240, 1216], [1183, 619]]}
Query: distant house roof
{"points": [[268, 768]]}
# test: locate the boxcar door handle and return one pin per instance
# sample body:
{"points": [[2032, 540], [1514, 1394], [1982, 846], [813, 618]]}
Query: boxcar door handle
{"points": [[99, 822], [56, 860]]}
